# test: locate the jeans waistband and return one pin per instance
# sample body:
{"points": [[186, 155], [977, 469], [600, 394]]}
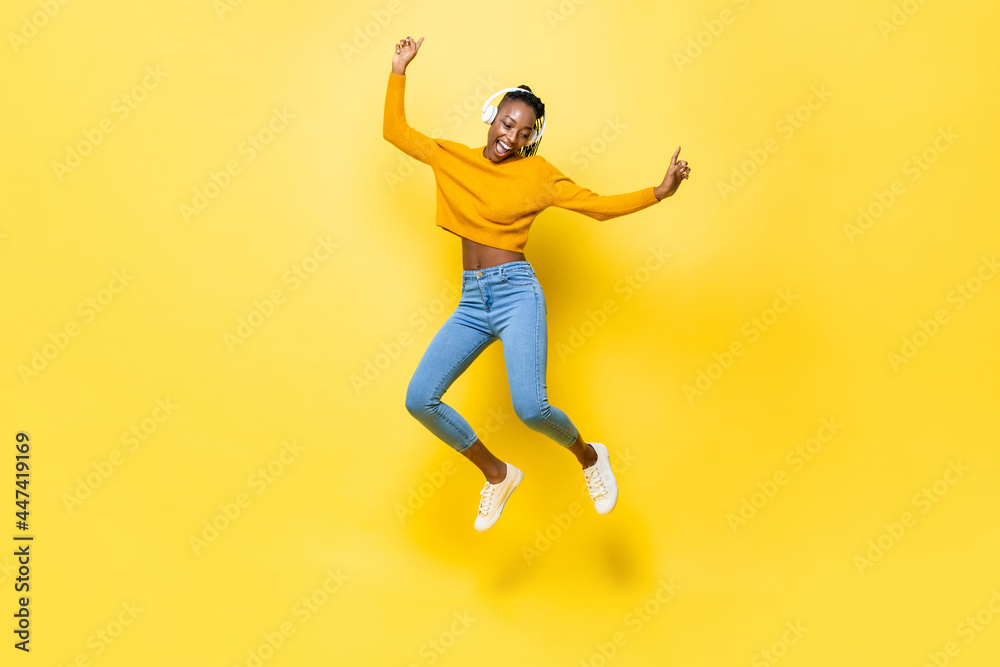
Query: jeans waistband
{"points": [[496, 270]]}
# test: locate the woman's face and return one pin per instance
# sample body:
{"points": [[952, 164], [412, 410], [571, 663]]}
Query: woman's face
{"points": [[509, 131]]}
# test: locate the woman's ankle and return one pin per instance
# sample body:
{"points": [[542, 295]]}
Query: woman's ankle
{"points": [[495, 476]]}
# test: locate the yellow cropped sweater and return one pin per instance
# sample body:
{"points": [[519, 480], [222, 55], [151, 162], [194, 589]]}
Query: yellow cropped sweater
{"points": [[495, 203]]}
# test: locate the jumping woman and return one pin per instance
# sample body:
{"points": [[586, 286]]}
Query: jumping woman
{"points": [[489, 196]]}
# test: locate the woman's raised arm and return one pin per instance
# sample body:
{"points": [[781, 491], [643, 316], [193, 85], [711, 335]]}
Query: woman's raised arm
{"points": [[395, 129]]}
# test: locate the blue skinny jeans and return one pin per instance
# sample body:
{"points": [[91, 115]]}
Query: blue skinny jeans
{"points": [[502, 302]]}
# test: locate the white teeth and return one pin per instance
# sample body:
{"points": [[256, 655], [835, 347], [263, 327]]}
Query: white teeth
{"points": [[504, 146]]}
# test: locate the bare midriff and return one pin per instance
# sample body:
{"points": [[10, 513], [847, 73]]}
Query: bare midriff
{"points": [[479, 256]]}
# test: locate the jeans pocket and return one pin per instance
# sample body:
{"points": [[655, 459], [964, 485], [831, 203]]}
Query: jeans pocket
{"points": [[519, 276]]}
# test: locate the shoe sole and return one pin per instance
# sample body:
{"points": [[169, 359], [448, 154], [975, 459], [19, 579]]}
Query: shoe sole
{"points": [[517, 483]]}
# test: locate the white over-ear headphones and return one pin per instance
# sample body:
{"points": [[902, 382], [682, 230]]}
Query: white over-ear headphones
{"points": [[490, 114]]}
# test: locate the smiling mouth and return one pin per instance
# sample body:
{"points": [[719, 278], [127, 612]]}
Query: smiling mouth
{"points": [[500, 148]]}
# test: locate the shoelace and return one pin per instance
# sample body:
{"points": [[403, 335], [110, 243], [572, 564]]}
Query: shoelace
{"points": [[595, 484], [487, 498]]}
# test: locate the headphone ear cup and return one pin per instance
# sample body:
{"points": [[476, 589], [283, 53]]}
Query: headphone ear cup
{"points": [[489, 114], [536, 133]]}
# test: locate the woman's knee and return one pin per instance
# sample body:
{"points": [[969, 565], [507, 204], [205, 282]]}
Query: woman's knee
{"points": [[419, 400], [532, 413]]}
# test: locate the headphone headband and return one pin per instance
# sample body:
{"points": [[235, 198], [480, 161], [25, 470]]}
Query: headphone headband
{"points": [[505, 90]]}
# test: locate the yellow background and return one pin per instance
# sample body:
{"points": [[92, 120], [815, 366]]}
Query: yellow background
{"points": [[401, 582]]}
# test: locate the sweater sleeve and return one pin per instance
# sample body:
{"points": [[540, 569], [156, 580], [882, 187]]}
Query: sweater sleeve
{"points": [[565, 193], [395, 129]]}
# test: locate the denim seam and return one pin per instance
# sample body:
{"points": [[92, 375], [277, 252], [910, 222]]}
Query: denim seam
{"points": [[531, 278], [437, 390], [538, 384]]}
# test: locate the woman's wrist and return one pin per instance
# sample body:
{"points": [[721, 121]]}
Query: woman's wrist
{"points": [[399, 70], [659, 192]]}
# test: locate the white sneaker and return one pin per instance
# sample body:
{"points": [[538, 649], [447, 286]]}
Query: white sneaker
{"points": [[494, 497], [601, 481]]}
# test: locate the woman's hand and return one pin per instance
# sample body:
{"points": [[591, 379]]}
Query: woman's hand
{"points": [[406, 50], [676, 172]]}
